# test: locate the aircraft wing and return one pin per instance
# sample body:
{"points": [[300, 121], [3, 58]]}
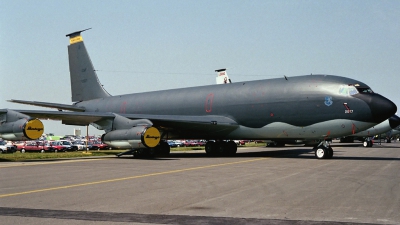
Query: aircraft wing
{"points": [[78, 118], [203, 123], [49, 105]]}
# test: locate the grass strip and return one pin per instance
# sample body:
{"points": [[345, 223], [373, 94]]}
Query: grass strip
{"points": [[28, 156]]}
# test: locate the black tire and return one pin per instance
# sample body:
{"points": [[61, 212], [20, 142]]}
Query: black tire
{"points": [[231, 148], [330, 153], [321, 152], [210, 148], [163, 149]]}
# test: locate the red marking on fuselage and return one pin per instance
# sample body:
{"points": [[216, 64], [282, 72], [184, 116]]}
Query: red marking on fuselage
{"points": [[123, 107], [209, 101]]}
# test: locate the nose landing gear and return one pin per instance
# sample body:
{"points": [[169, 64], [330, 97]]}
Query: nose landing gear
{"points": [[323, 150]]}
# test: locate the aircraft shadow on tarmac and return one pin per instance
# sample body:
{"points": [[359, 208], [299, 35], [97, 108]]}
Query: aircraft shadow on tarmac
{"points": [[284, 153], [376, 145], [295, 152]]}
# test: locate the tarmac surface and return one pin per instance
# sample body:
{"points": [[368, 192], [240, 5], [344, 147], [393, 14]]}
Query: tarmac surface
{"points": [[257, 186]]}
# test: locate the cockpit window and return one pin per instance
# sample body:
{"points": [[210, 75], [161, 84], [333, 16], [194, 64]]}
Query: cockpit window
{"points": [[365, 90], [343, 90], [352, 90], [347, 90]]}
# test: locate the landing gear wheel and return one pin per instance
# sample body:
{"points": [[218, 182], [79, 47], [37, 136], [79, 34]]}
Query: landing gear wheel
{"points": [[163, 149], [323, 152], [330, 153], [320, 152], [367, 143], [221, 148], [231, 148], [210, 148]]}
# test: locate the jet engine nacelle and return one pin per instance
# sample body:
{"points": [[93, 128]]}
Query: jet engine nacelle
{"points": [[133, 138], [22, 129]]}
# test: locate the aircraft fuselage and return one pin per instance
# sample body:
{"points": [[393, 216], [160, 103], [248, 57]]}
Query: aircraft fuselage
{"points": [[301, 107]]}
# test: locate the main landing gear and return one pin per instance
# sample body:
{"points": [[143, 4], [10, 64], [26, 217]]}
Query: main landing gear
{"points": [[323, 150], [368, 142], [221, 148]]}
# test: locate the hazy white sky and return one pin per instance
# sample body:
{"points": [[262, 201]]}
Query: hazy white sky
{"points": [[139, 46]]}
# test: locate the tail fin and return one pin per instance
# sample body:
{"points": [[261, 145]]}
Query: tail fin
{"points": [[222, 77], [85, 84]]}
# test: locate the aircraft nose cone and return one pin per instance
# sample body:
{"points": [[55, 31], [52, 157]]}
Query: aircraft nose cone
{"points": [[394, 121], [381, 107]]}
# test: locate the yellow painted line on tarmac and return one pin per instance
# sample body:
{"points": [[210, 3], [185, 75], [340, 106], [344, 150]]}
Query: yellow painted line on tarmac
{"points": [[130, 178], [16, 164]]}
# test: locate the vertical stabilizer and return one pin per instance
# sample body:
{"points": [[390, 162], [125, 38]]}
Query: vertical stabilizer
{"points": [[222, 77], [85, 84]]}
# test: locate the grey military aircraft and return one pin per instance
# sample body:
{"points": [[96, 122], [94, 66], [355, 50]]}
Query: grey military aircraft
{"points": [[382, 128], [289, 108]]}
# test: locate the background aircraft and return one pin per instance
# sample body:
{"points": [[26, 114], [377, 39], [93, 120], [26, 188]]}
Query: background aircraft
{"points": [[382, 128], [222, 77], [294, 108]]}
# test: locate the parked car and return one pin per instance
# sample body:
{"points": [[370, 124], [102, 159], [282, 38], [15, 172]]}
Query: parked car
{"points": [[56, 146], [179, 143], [79, 145], [34, 146], [98, 145], [66, 144], [191, 143], [202, 143], [240, 142], [172, 144], [7, 148]]}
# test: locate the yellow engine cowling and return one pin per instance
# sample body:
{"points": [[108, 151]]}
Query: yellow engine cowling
{"points": [[134, 138], [22, 129]]}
